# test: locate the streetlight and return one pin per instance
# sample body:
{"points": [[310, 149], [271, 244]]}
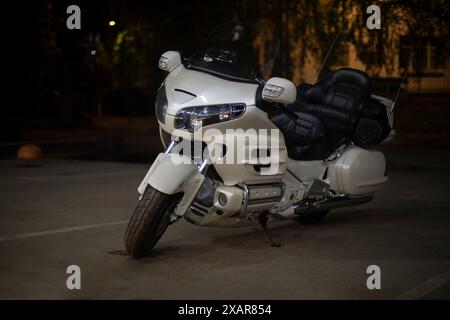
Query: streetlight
{"points": [[111, 23]]}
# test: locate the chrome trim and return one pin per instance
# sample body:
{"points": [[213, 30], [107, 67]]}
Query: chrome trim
{"points": [[202, 168], [170, 147], [338, 153], [245, 189], [308, 206]]}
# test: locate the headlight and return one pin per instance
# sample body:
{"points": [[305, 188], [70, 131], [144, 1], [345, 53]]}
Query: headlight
{"points": [[192, 118], [161, 104]]}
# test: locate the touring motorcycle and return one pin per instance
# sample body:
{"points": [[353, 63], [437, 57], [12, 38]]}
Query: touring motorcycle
{"points": [[306, 149]]}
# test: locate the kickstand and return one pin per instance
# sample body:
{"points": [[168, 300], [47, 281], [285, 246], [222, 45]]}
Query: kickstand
{"points": [[263, 218]]}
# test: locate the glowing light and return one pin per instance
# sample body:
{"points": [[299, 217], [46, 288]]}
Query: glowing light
{"points": [[112, 23], [93, 52]]}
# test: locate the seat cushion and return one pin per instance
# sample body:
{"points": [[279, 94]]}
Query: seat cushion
{"points": [[346, 89], [306, 130], [338, 102], [373, 125], [373, 109], [305, 137], [343, 104], [367, 132]]}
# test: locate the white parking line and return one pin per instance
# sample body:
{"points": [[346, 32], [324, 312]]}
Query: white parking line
{"points": [[63, 230], [426, 287], [26, 180]]}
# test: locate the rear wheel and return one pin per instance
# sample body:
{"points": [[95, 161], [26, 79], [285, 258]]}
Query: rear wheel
{"points": [[149, 221], [312, 217]]}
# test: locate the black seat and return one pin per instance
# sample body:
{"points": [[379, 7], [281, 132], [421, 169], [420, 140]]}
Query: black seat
{"points": [[346, 89], [336, 109], [337, 101], [305, 137], [373, 124]]}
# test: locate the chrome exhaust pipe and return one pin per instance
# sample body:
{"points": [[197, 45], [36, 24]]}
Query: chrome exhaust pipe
{"points": [[331, 203]]}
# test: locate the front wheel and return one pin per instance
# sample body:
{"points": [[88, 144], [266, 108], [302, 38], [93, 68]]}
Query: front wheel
{"points": [[149, 221]]}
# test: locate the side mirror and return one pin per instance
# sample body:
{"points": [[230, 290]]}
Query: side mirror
{"points": [[279, 90], [169, 60]]}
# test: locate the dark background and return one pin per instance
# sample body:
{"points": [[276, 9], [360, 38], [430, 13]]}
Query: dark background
{"points": [[58, 93], [57, 212]]}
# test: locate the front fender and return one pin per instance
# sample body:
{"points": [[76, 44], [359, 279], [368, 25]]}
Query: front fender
{"points": [[168, 173], [174, 173]]}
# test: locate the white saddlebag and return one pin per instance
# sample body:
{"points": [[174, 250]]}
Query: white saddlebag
{"points": [[358, 172]]}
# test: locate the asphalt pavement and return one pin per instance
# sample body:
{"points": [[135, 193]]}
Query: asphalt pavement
{"points": [[55, 213]]}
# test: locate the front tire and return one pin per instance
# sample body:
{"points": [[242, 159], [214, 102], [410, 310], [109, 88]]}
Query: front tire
{"points": [[149, 221]]}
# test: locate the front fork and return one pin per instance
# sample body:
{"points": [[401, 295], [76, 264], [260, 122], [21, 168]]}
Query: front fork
{"points": [[172, 173]]}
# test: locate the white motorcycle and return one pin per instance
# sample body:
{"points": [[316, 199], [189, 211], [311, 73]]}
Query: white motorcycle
{"points": [[263, 150]]}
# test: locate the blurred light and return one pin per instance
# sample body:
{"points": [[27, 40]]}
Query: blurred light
{"points": [[93, 52], [111, 23]]}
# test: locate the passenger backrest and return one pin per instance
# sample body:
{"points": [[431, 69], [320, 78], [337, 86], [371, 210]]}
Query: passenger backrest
{"points": [[346, 89]]}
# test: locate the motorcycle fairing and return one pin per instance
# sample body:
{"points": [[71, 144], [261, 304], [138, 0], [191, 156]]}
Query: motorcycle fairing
{"points": [[188, 88]]}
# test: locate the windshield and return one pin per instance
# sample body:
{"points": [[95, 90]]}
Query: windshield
{"points": [[240, 51]]}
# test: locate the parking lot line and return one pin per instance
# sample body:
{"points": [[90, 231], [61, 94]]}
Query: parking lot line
{"points": [[63, 230], [26, 180], [426, 287]]}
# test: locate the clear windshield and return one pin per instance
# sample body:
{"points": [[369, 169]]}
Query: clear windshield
{"points": [[240, 51]]}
